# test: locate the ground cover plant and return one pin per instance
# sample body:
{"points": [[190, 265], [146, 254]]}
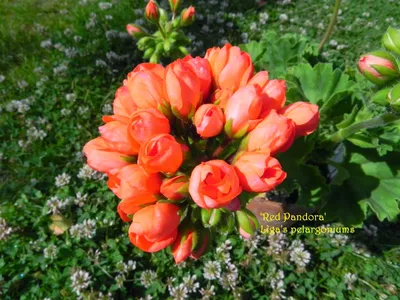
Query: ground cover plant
{"points": [[60, 236]]}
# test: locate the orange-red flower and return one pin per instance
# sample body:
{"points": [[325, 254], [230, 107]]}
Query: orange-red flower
{"points": [[102, 158], [115, 135], [132, 181], [202, 68], [274, 133], [183, 245], [146, 123], [123, 106], [161, 153], [243, 111], [275, 90], [146, 88], [231, 67], [209, 120], [182, 88], [221, 97], [157, 69], [127, 207], [152, 11], [305, 115], [175, 188], [187, 16], [214, 184], [258, 171], [154, 227]]}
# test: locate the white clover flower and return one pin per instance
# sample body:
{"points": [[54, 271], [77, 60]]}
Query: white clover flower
{"points": [[5, 230], [170, 282], [107, 109], [179, 292], [263, 17], [62, 179], [77, 38], [65, 112], [253, 26], [87, 173], [80, 199], [61, 69], [349, 280], [296, 244], [87, 229], [70, 52], [105, 5], [46, 44], [276, 279], [55, 205], [80, 281], [68, 31], [283, 18], [71, 97], [108, 17], [277, 243], [119, 280], [333, 43], [190, 282], [50, 252], [22, 84], [147, 277], [2, 78], [300, 257], [340, 239], [212, 270], [207, 293], [101, 296], [100, 63], [60, 47]]}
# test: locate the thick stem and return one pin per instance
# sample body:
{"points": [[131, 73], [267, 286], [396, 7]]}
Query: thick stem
{"points": [[161, 30], [380, 121], [331, 25]]}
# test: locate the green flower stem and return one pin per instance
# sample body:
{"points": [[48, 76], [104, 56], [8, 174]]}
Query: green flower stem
{"points": [[330, 26], [380, 121], [161, 30]]}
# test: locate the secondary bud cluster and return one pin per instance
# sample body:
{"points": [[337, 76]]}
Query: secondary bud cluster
{"points": [[168, 40]]}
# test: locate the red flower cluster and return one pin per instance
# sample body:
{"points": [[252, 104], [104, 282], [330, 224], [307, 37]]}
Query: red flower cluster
{"points": [[150, 147]]}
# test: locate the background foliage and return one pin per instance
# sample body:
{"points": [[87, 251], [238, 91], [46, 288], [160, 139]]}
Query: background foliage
{"points": [[60, 63]]}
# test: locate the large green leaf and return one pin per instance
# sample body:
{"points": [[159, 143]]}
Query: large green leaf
{"points": [[319, 85], [304, 178], [276, 53], [373, 183]]}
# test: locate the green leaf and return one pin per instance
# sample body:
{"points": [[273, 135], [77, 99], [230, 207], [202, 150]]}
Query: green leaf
{"points": [[305, 178], [319, 85], [277, 53], [373, 183]]}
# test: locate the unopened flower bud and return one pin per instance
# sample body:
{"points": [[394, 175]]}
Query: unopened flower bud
{"points": [[248, 223], [135, 30], [379, 67], [391, 40], [152, 12], [210, 217], [187, 16], [394, 97], [175, 188], [380, 97], [174, 4]]}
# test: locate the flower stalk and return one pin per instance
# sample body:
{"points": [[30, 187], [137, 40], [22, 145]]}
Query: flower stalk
{"points": [[330, 26], [380, 121]]}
